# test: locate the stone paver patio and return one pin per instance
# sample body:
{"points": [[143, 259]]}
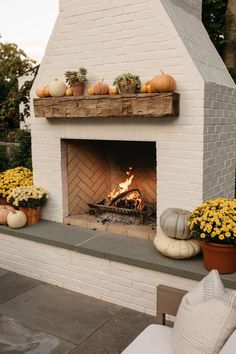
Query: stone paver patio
{"points": [[39, 318]]}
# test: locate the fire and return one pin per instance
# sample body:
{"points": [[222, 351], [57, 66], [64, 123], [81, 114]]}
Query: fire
{"points": [[123, 186]]}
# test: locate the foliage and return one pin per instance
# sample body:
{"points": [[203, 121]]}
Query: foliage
{"points": [[22, 155], [28, 197], [215, 221], [126, 80], [12, 178], [14, 63], [73, 77], [213, 17], [4, 160]]}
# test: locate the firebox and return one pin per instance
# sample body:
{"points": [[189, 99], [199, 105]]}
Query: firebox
{"points": [[111, 183]]}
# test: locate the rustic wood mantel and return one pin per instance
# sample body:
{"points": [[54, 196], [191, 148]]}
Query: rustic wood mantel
{"points": [[154, 105]]}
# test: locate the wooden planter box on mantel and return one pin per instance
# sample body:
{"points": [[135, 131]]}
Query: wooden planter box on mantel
{"points": [[155, 105]]}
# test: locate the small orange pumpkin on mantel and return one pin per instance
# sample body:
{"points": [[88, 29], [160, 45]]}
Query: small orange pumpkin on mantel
{"points": [[42, 91], [146, 88], [113, 91], [163, 83], [91, 91], [69, 91], [100, 88]]}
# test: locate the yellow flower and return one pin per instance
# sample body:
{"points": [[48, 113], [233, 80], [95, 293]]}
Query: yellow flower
{"points": [[203, 235], [221, 237]]}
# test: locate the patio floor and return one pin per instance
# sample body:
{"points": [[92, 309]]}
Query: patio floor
{"points": [[39, 318]]}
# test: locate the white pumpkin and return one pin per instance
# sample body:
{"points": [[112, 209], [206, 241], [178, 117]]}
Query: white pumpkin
{"points": [[174, 223], [177, 249], [16, 219], [4, 211], [57, 88]]}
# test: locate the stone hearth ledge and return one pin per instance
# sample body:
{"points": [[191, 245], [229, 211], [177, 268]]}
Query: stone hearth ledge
{"points": [[119, 248]]}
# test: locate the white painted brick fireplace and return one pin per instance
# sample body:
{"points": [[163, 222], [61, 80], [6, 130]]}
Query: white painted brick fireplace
{"points": [[196, 151]]}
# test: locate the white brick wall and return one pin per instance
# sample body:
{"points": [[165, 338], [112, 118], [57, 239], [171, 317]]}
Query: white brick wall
{"points": [[110, 281], [219, 142], [141, 36]]}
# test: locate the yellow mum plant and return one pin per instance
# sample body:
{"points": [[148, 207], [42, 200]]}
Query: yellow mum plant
{"points": [[15, 177], [215, 221], [28, 197]]}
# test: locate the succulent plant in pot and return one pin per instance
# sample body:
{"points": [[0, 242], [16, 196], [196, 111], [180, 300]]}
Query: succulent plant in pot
{"points": [[127, 83], [77, 80]]}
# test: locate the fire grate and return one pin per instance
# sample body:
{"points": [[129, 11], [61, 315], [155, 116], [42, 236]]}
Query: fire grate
{"points": [[116, 206]]}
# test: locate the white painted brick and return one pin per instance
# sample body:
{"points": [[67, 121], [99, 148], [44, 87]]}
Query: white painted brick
{"points": [[131, 286], [141, 36]]}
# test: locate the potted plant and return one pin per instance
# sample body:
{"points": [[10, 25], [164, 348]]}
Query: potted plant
{"points": [[127, 83], [214, 224], [12, 178], [77, 80], [29, 199]]}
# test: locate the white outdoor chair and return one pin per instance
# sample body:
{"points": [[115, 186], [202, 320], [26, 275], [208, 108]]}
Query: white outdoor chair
{"points": [[156, 338]]}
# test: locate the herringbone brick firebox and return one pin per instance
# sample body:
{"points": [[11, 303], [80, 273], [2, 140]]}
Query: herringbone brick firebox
{"points": [[96, 167]]}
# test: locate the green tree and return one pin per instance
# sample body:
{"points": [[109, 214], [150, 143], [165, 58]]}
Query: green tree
{"points": [[219, 18], [230, 38], [13, 64], [213, 17]]}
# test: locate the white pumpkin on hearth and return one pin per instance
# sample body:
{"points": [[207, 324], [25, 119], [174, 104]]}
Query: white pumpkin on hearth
{"points": [[177, 249], [16, 219]]}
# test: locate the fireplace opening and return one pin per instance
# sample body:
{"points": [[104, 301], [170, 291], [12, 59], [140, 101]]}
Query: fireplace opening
{"points": [[112, 186]]}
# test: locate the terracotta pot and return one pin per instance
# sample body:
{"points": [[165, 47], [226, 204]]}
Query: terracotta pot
{"points": [[219, 256], [3, 201], [78, 89], [32, 214], [127, 90]]}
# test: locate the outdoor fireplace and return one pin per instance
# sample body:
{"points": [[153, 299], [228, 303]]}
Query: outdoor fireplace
{"points": [[187, 153], [113, 180]]}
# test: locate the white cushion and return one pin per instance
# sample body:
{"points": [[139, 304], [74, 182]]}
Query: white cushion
{"points": [[155, 339], [205, 319], [230, 345]]}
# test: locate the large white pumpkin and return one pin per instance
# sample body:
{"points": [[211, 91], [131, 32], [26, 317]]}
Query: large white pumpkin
{"points": [[174, 223], [16, 219], [57, 88], [177, 249]]}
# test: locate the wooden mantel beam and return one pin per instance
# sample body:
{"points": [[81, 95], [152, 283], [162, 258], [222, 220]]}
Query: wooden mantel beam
{"points": [[154, 105]]}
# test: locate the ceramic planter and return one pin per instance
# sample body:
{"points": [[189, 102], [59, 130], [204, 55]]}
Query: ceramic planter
{"points": [[78, 89], [32, 214], [219, 256]]}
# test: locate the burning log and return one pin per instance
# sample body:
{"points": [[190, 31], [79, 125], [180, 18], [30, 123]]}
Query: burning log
{"points": [[124, 201]]}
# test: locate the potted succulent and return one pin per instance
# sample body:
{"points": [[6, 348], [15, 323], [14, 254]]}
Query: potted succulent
{"points": [[77, 80], [214, 224], [29, 199], [127, 83]]}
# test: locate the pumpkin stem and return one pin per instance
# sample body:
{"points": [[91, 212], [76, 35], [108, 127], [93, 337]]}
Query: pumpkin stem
{"points": [[162, 72]]}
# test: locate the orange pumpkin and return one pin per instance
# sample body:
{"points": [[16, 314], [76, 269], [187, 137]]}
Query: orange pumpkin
{"points": [[113, 91], [101, 89], [46, 91], [163, 83], [42, 91], [146, 88], [69, 91], [91, 91]]}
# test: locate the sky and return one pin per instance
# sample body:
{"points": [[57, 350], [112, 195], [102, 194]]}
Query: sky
{"points": [[28, 23]]}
